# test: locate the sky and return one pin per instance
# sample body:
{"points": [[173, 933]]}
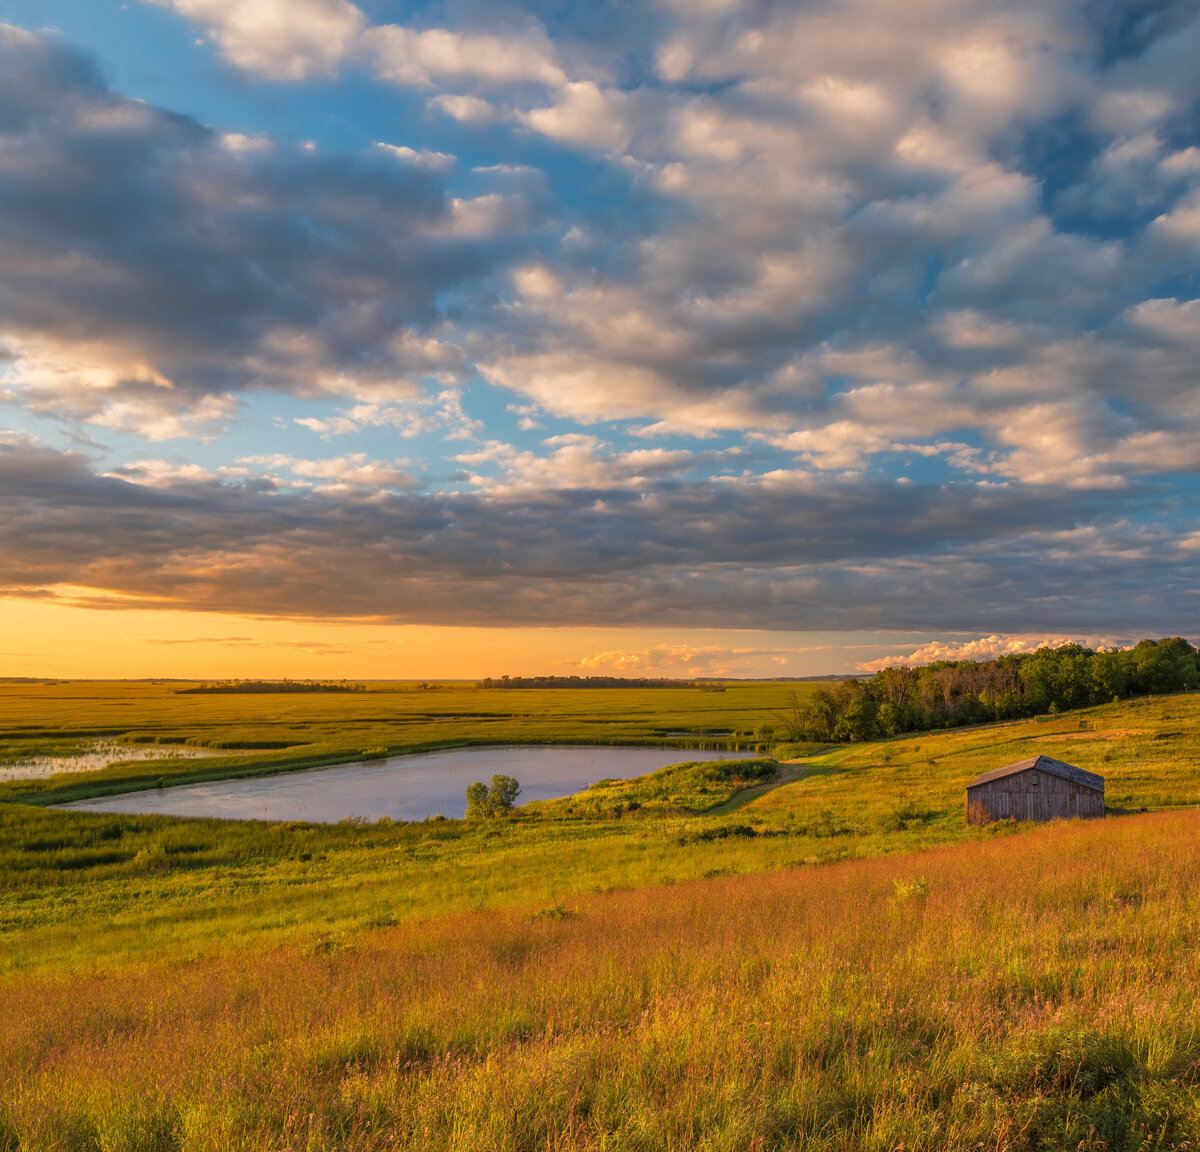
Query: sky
{"points": [[671, 337]]}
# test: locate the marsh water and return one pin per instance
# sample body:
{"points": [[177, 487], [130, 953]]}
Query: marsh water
{"points": [[99, 754], [402, 787]]}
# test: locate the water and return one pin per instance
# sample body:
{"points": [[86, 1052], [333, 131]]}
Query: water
{"points": [[99, 755], [402, 787]]}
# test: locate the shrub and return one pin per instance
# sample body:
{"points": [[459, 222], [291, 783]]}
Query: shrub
{"points": [[905, 890], [484, 802]]}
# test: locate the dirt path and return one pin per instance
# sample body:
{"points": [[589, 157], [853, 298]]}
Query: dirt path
{"points": [[789, 772]]}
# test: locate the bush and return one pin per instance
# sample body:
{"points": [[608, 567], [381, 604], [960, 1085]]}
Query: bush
{"points": [[484, 802], [905, 890]]}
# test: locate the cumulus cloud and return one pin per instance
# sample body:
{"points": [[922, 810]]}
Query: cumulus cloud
{"points": [[990, 195], [439, 161], [278, 39], [294, 40], [468, 109], [202, 269], [682, 660], [336, 473], [983, 648], [580, 462], [846, 193], [930, 269], [439, 55], [442, 412], [584, 114]]}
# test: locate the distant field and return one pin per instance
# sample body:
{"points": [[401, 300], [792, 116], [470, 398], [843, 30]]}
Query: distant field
{"points": [[835, 962], [273, 732]]}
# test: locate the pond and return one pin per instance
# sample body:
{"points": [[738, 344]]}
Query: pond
{"points": [[402, 787]]}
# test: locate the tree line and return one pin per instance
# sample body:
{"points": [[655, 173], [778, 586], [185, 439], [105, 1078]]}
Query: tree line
{"points": [[256, 687], [948, 694]]}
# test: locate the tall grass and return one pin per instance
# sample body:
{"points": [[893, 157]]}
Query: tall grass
{"points": [[791, 974], [1022, 993]]}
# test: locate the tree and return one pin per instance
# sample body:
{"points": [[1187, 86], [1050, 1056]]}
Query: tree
{"points": [[793, 720], [817, 721], [1164, 666], [503, 793], [857, 719], [484, 802], [477, 801]]}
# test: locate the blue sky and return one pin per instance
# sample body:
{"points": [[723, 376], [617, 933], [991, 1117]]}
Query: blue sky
{"points": [[845, 317]]}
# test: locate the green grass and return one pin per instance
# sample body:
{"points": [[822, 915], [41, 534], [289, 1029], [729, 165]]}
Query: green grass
{"points": [[74, 886], [1033, 992], [837, 962], [688, 788]]}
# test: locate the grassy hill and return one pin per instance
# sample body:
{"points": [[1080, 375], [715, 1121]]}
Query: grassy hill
{"points": [[1032, 992], [836, 962]]}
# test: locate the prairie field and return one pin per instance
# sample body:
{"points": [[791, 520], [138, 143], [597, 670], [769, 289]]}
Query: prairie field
{"points": [[826, 958]]}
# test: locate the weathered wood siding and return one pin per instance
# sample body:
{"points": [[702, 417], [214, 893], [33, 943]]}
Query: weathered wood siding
{"points": [[1032, 795]]}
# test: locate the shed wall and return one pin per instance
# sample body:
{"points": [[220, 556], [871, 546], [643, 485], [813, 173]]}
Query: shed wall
{"points": [[1019, 798]]}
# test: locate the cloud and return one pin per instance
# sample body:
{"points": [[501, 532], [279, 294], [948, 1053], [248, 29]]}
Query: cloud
{"points": [[438, 161], [468, 109], [164, 473], [98, 381], [314, 647], [584, 114], [930, 270], [298, 40], [438, 55], [812, 181], [580, 462], [937, 233], [225, 641], [681, 660], [278, 39], [204, 270], [337, 473], [777, 550], [442, 413], [984, 648]]}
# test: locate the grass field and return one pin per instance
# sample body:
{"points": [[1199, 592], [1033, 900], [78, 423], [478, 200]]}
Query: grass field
{"points": [[837, 962]]}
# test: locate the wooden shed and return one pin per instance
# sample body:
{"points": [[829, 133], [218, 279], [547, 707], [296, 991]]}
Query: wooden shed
{"points": [[1040, 788]]}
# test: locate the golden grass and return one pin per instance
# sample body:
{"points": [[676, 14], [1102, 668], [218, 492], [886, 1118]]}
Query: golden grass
{"points": [[1028, 992], [792, 975]]}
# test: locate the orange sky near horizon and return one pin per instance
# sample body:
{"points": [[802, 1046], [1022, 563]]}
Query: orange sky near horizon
{"points": [[71, 637]]}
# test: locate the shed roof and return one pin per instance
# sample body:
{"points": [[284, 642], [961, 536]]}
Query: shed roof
{"points": [[1045, 764]]}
